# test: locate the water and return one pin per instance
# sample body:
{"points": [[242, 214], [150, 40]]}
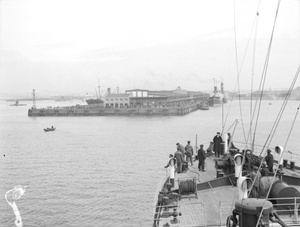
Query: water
{"points": [[103, 171]]}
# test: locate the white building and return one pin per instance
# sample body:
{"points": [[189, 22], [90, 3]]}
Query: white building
{"points": [[116, 100]]}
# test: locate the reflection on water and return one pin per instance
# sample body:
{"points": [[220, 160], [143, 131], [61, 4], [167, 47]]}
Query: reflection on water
{"points": [[103, 171]]}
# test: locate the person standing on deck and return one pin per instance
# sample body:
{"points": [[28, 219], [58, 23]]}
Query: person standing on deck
{"points": [[229, 142], [264, 170], [179, 159], [171, 164], [189, 152], [201, 158], [217, 144], [181, 148], [269, 160], [255, 177]]}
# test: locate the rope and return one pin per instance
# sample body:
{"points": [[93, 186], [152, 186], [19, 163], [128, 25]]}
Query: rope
{"points": [[241, 67], [264, 74]]}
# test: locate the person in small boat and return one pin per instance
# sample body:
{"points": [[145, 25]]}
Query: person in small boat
{"points": [[217, 144], [52, 127], [189, 152], [181, 149], [269, 160], [201, 158], [264, 170], [179, 158], [255, 177]]}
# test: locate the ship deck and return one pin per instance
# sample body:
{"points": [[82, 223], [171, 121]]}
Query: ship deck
{"points": [[212, 206]]}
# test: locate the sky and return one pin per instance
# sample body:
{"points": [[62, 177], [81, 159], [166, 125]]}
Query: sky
{"points": [[69, 46]]}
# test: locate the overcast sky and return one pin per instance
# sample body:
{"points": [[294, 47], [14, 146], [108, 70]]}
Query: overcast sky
{"points": [[66, 46]]}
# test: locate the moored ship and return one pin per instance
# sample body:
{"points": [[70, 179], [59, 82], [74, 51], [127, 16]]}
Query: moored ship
{"points": [[95, 101], [216, 99]]}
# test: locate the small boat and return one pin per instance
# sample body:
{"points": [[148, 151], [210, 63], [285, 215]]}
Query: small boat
{"points": [[204, 106], [49, 129]]}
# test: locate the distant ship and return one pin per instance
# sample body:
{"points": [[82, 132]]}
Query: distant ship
{"points": [[217, 98], [18, 104], [94, 101]]}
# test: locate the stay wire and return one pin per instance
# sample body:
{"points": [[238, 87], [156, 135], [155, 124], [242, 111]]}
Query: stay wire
{"points": [[265, 69], [237, 85]]}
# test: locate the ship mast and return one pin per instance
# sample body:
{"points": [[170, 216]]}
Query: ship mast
{"points": [[99, 89], [33, 99]]}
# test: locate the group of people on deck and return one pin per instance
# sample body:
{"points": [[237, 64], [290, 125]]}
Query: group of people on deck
{"points": [[184, 155]]}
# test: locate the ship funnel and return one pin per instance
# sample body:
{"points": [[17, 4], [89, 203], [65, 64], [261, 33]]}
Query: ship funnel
{"points": [[239, 161], [244, 187], [279, 151]]}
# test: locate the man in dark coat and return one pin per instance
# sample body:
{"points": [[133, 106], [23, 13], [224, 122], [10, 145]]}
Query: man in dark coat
{"points": [[201, 158], [264, 170], [217, 144], [269, 160], [179, 159], [189, 152]]}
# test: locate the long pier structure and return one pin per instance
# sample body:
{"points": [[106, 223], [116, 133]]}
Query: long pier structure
{"points": [[88, 110], [133, 102]]}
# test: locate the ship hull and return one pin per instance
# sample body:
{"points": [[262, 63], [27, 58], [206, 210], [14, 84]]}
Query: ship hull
{"points": [[94, 101], [215, 101]]}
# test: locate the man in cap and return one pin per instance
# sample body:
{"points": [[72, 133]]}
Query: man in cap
{"points": [[181, 148], [189, 152], [179, 160], [269, 160], [201, 158], [217, 144]]}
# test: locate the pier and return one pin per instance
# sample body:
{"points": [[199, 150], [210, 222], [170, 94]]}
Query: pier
{"points": [[91, 110]]}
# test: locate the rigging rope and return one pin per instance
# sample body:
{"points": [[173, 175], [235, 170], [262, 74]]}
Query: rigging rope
{"points": [[265, 69], [237, 85]]}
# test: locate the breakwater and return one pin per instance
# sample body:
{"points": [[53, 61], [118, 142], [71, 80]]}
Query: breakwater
{"points": [[91, 110]]}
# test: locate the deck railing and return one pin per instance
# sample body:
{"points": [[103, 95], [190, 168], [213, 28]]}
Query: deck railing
{"points": [[287, 208]]}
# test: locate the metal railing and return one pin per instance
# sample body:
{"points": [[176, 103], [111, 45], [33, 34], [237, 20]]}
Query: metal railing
{"points": [[287, 208]]}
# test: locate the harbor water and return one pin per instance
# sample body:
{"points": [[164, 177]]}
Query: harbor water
{"points": [[103, 171]]}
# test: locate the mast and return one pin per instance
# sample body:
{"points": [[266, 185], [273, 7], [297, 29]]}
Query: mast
{"points": [[33, 99], [99, 89]]}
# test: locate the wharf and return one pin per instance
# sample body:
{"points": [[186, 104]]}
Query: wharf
{"points": [[94, 110]]}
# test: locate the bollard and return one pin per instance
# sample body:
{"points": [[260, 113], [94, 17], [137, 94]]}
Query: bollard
{"points": [[292, 165]]}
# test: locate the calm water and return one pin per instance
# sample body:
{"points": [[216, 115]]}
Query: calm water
{"points": [[103, 171]]}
